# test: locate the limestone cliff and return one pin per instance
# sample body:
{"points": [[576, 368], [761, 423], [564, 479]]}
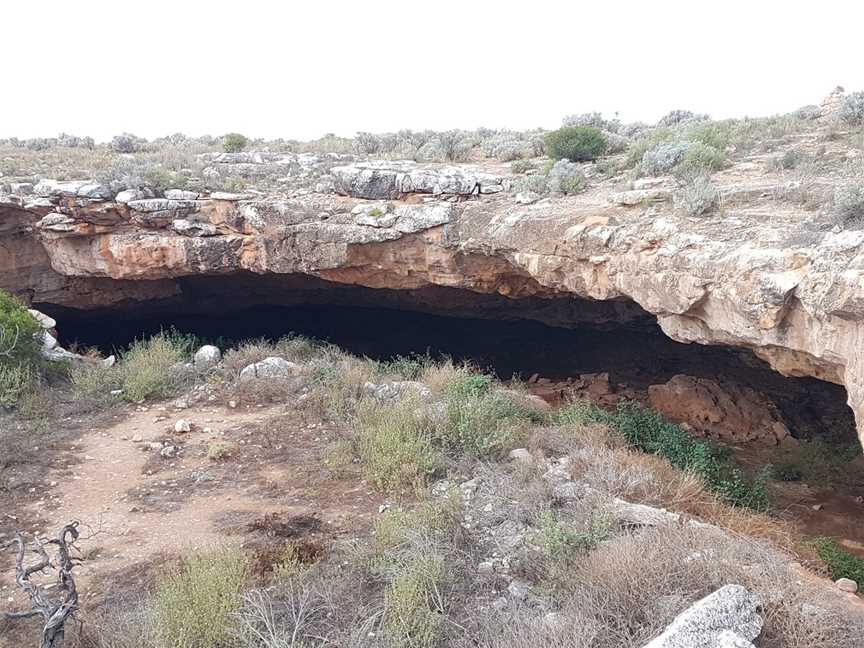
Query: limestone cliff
{"points": [[754, 276]]}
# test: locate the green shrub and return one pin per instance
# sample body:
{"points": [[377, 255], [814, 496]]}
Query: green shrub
{"points": [[20, 350], [576, 143], [480, 420], [637, 149], [402, 367], [395, 444], [566, 178], [849, 203], [231, 184], [852, 109], [840, 563], [717, 135], [413, 607], [649, 432], [559, 542], [19, 343], [698, 195], [522, 166], [679, 116], [149, 367], [161, 179], [438, 516], [818, 463], [786, 162], [196, 606], [662, 157], [702, 158], [15, 381], [92, 385], [234, 142]]}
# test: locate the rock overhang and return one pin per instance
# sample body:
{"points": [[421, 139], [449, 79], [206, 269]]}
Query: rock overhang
{"points": [[800, 307]]}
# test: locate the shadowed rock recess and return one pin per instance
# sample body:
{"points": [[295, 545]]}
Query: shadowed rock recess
{"points": [[448, 241]]}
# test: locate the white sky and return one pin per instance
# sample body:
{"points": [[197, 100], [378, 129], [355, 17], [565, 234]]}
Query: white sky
{"points": [[271, 68]]}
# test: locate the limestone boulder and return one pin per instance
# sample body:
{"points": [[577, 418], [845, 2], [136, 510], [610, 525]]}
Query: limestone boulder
{"points": [[723, 411], [727, 618], [207, 356], [274, 368]]}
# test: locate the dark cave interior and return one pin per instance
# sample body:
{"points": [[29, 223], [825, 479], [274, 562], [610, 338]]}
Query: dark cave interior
{"points": [[497, 334]]}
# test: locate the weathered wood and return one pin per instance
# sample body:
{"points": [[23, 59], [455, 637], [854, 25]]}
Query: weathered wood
{"points": [[54, 609]]}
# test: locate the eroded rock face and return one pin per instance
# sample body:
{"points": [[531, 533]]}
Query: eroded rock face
{"points": [[797, 302], [731, 413]]}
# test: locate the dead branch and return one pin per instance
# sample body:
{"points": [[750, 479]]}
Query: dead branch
{"points": [[56, 608]]}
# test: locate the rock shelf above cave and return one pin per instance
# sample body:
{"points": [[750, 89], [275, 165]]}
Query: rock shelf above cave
{"points": [[762, 276]]}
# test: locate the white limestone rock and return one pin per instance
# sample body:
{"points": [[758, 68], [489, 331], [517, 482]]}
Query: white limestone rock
{"points": [[724, 619], [271, 367]]}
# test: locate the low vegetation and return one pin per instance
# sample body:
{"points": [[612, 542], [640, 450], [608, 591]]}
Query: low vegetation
{"points": [[234, 142], [20, 345], [849, 202], [852, 109], [839, 562], [698, 196], [649, 432], [195, 607], [395, 444], [576, 143], [151, 368], [473, 548]]}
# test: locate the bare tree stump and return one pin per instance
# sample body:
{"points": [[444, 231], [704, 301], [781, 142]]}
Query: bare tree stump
{"points": [[62, 603]]}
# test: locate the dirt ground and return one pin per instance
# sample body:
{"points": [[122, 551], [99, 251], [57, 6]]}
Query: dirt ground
{"points": [[137, 507], [145, 493]]}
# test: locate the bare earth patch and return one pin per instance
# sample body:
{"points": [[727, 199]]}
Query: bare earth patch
{"points": [[143, 507]]}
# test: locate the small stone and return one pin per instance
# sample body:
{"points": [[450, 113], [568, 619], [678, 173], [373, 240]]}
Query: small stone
{"points": [[519, 589], [468, 488], [817, 507], [137, 438], [232, 404], [527, 197], [500, 603], [846, 585], [168, 451], [521, 455], [183, 426], [441, 488], [486, 567], [553, 619]]}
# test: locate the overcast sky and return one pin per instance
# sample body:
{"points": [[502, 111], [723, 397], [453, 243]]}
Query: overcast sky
{"points": [[300, 69]]}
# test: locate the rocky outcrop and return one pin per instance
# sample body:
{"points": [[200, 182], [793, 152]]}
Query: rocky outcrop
{"points": [[730, 413], [380, 180], [791, 293]]}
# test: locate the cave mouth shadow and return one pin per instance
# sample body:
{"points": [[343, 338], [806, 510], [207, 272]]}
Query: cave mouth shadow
{"points": [[502, 338]]}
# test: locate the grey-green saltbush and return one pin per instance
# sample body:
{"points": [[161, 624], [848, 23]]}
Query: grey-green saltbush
{"points": [[849, 203], [663, 157], [852, 109], [566, 178], [699, 196]]}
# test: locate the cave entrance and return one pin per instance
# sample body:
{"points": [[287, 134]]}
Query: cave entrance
{"points": [[573, 337]]}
